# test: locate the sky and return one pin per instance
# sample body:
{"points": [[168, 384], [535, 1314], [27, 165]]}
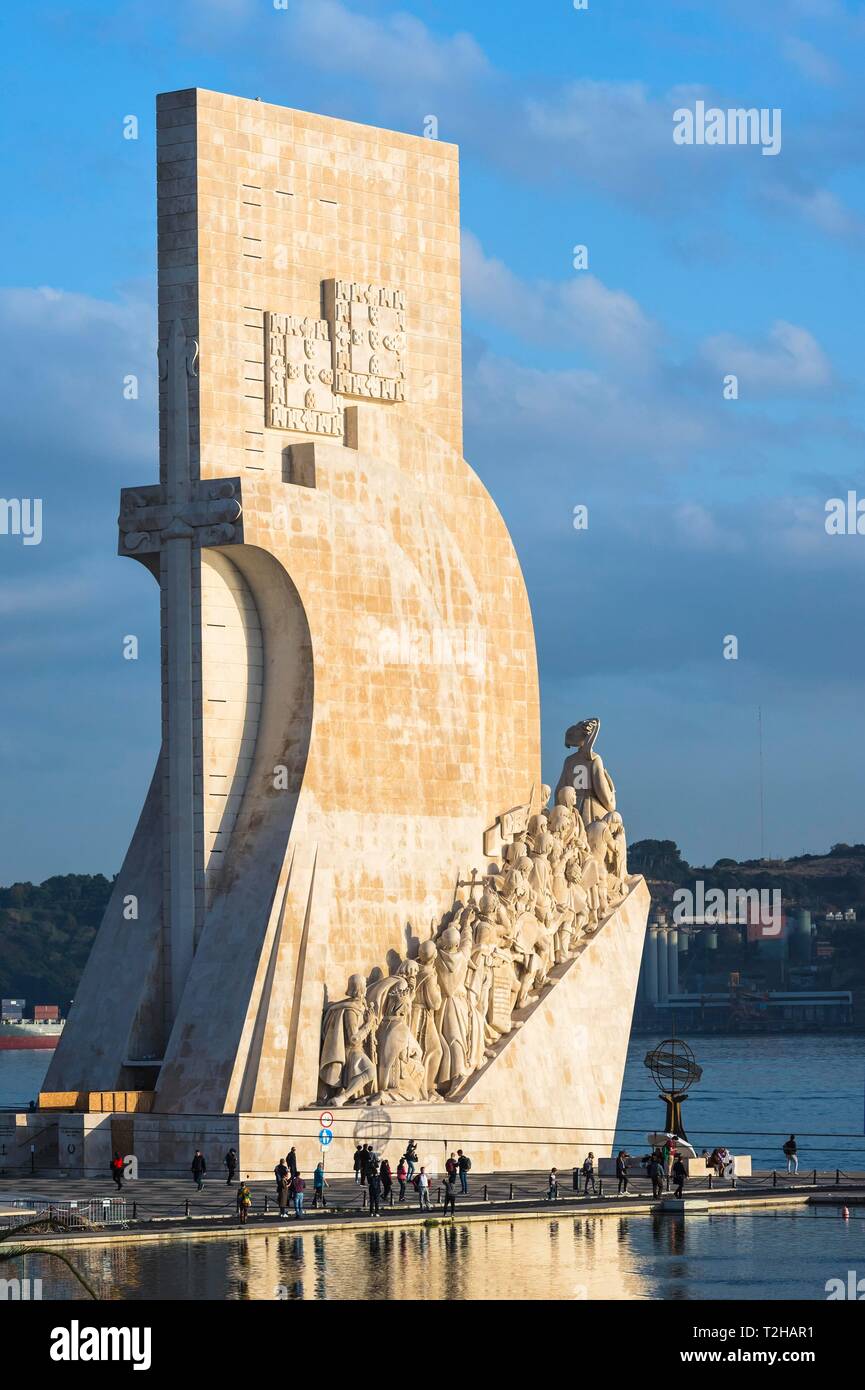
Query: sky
{"points": [[600, 387]]}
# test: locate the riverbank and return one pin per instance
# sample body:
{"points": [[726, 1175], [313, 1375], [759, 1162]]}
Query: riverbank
{"points": [[211, 1221]]}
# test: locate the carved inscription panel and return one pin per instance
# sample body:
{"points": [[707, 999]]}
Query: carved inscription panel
{"points": [[368, 339], [299, 391]]}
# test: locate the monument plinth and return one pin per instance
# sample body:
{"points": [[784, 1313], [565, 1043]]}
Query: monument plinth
{"points": [[347, 886]]}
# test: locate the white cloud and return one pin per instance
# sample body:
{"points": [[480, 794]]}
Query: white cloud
{"points": [[821, 208], [696, 527], [579, 313], [71, 353], [809, 60], [399, 50], [788, 360], [598, 426]]}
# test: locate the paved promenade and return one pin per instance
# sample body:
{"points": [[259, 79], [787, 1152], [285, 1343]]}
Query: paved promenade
{"points": [[164, 1205]]}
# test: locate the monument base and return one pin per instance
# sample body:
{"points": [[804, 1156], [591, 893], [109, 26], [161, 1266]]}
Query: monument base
{"points": [[548, 1097]]}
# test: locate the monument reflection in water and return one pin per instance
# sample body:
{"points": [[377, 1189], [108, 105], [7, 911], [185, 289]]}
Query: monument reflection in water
{"points": [[758, 1256]]}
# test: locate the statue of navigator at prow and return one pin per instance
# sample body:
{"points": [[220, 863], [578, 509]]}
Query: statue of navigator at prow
{"points": [[420, 1033], [585, 772]]}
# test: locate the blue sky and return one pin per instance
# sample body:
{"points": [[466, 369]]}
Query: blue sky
{"points": [[599, 387]]}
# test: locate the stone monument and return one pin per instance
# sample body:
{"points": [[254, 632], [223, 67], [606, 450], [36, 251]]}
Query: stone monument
{"points": [[346, 890]]}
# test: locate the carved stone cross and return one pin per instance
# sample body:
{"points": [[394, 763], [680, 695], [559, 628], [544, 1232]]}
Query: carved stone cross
{"points": [[173, 521]]}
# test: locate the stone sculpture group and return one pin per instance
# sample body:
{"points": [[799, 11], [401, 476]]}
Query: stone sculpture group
{"points": [[420, 1033]]}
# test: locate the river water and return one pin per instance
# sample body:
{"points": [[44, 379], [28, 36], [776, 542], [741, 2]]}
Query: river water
{"points": [[766, 1255], [753, 1093]]}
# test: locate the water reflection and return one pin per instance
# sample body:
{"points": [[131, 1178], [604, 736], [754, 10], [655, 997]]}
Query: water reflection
{"points": [[771, 1254]]}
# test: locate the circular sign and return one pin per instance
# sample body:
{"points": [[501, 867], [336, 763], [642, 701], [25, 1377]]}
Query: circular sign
{"points": [[373, 1126], [325, 1119], [325, 1137]]}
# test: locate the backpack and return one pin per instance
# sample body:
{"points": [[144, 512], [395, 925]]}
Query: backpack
{"points": [[467, 1163]]}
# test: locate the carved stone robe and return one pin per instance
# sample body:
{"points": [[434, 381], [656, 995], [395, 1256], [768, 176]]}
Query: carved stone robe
{"points": [[342, 1021], [453, 1016], [425, 1006]]}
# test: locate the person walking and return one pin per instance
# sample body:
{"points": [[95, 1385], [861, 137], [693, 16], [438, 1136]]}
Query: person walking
{"points": [[364, 1165], [319, 1183], [374, 1184], [589, 1175], [553, 1190], [280, 1172], [680, 1174], [230, 1162], [402, 1177], [423, 1190], [464, 1164], [791, 1153], [284, 1194], [298, 1188], [411, 1157], [243, 1202], [358, 1164], [622, 1173], [291, 1160], [451, 1193], [384, 1172], [199, 1168], [117, 1171], [656, 1173]]}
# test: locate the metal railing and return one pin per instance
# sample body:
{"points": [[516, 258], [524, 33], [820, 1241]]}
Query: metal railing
{"points": [[93, 1211], [530, 1190]]}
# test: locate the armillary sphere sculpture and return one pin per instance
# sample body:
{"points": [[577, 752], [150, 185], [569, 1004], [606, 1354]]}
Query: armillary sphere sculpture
{"points": [[674, 1070]]}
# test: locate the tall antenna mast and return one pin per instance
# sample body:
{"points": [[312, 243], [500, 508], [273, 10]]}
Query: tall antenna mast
{"points": [[760, 746]]}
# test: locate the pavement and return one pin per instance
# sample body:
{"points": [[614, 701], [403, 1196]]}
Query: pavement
{"points": [[173, 1204]]}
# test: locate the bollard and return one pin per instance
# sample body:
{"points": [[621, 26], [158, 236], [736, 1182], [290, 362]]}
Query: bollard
{"points": [[266, 1208], [187, 1208], [837, 1177], [134, 1210], [814, 1180], [774, 1178], [710, 1181], [486, 1198], [600, 1187], [363, 1200], [511, 1193]]}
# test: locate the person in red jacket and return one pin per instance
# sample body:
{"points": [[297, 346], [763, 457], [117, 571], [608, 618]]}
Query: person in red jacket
{"points": [[117, 1170]]}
